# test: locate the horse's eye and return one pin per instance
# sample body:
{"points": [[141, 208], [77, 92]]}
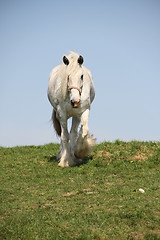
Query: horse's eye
{"points": [[82, 77]]}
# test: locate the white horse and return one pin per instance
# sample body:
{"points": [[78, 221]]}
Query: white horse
{"points": [[71, 92]]}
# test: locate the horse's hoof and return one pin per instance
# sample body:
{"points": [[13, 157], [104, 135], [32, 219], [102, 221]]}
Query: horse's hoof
{"points": [[65, 164]]}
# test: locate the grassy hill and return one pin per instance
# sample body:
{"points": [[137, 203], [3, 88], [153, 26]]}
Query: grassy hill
{"points": [[97, 200]]}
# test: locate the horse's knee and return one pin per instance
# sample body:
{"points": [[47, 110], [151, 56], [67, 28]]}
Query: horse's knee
{"points": [[65, 137], [85, 131], [84, 123], [73, 132]]}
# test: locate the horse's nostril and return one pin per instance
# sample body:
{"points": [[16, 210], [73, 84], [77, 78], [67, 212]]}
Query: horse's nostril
{"points": [[75, 104], [72, 103]]}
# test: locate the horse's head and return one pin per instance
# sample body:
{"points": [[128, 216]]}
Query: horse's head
{"points": [[74, 78]]}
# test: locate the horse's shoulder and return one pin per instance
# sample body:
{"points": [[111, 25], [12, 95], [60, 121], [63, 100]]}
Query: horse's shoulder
{"points": [[57, 73], [87, 71], [90, 82], [56, 70]]}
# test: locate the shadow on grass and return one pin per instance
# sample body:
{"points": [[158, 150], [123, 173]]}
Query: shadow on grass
{"points": [[53, 158], [87, 159]]}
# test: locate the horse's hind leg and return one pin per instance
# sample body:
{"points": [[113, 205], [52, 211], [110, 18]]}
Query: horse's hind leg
{"points": [[59, 152]]}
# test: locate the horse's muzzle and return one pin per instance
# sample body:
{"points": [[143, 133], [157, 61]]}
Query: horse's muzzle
{"points": [[75, 104]]}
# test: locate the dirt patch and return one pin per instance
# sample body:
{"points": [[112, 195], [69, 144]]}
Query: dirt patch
{"points": [[140, 157], [103, 154], [69, 194]]}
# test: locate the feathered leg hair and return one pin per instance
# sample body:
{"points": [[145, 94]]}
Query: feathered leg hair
{"points": [[84, 145]]}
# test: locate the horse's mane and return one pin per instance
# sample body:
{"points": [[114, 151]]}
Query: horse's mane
{"points": [[71, 69]]}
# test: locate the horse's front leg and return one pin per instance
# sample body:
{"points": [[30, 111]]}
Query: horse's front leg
{"points": [[84, 124], [74, 133], [85, 142], [66, 159], [73, 138]]}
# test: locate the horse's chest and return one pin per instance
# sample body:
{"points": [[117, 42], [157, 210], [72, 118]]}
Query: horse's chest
{"points": [[73, 111], [66, 109]]}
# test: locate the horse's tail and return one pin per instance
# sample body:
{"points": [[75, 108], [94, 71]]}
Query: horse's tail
{"points": [[56, 123]]}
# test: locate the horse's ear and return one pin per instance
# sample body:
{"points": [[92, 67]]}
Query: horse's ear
{"points": [[80, 60], [65, 60]]}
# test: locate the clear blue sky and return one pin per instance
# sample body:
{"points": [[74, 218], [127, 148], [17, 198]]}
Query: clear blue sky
{"points": [[120, 42]]}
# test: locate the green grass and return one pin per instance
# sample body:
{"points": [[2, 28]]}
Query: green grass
{"points": [[97, 200]]}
